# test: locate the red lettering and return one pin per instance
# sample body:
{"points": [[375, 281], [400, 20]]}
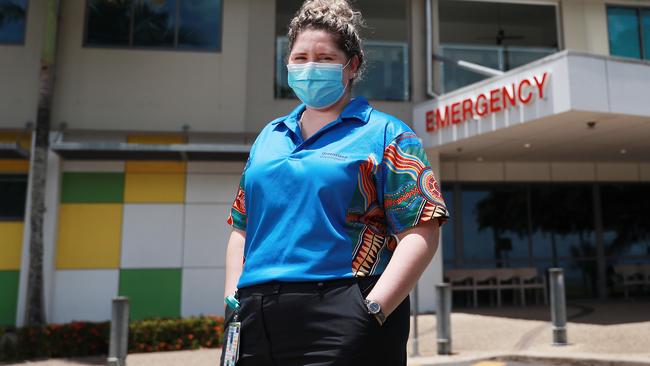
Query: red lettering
{"points": [[455, 118], [508, 97], [484, 104], [494, 100], [429, 121], [540, 84], [497, 100], [440, 122], [467, 109], [521, 89]]}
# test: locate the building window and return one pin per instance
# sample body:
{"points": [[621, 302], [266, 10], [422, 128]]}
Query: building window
{"points": [[626, 223], [495, 223], [629, 32], [499, 35], [155, 24], [549, 225], [385, 46], [13, 17], [13, 192]]}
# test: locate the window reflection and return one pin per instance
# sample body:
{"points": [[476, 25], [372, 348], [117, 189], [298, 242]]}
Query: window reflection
{"points": [[109, 22], [580, 277], [498, 221], [495, 223], [13, 192], [562, 221], [154, 23], [12, 21], [168, 24], [199, 24], [623, 25], [626, 222], [498, 35], [632, 268]]}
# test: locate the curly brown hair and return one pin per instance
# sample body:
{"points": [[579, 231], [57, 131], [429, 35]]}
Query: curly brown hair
{"points": [[336, 17]]}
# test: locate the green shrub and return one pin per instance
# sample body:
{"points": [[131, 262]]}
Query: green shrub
{"points": [[78, 339], [175, 334]]}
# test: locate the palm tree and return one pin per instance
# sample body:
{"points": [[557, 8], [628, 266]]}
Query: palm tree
{"points": [[35, 312]]}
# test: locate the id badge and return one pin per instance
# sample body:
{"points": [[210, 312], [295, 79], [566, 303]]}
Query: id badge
{"points": [[232, 344]]}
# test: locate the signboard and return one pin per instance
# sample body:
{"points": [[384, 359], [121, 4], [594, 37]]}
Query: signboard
{"points": [[493, 101]]}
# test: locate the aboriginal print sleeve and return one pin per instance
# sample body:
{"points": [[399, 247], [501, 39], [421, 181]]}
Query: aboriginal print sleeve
{"points": [[237, 216], [411, 193]]}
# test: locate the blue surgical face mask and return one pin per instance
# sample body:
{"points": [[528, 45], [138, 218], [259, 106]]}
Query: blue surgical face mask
{"points": [[319, 85]]}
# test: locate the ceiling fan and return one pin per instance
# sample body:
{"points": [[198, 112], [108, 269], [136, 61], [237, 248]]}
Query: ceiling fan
{"points": [[500, 37]]}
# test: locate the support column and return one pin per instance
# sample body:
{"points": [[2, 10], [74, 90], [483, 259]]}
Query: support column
{"points": [[50, 234], [601, 266]]}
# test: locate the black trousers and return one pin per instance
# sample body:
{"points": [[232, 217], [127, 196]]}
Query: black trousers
{"points": [[319, 324]]}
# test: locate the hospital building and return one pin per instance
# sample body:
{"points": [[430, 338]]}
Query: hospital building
{"points": [[535, 115]]}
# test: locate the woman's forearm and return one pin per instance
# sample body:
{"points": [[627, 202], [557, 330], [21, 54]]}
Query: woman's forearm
{"points": [[234, 260], [413, 254]]}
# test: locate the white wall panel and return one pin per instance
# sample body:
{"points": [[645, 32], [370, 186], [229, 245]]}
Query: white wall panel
{"points": [[567, 172], [448, 171], [528, 172], [19, 76], [588, 81], [480, 172], [154, 90], [203, 291], [206, 235], [152, 236], [644, 172], [628, 87], [83, 295], [617, 172], [211, 188]]}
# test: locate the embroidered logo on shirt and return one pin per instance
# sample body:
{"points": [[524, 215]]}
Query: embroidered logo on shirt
{"points": [[335, 156]]}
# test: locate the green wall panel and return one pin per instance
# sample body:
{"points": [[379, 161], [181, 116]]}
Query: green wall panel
{"points": [[8, 296], [92, 188], [152, 292]]}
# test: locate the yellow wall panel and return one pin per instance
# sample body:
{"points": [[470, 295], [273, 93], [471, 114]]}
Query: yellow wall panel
{"points": [[138, 166], [24, 139], [156, 166], [156, 139], [14, 166], [11, 243], [89, 236], [154, 188]]}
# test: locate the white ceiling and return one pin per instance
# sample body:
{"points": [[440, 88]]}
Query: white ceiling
{"points": [[563, 137]]}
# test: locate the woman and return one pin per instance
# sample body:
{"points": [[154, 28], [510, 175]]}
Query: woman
{"points": [[336, 217]]}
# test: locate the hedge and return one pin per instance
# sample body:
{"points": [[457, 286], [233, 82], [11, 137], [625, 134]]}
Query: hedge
{"points": [[78, 339]]}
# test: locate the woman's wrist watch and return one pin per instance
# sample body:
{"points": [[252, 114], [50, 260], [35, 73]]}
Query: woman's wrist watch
{"points": [[374, 308]]}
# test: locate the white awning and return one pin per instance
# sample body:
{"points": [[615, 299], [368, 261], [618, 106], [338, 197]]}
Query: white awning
{"points": [[132, 151], [567, 106], [13, 151]]}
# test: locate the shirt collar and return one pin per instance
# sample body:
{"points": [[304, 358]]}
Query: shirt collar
{"points": [[358, 108]]}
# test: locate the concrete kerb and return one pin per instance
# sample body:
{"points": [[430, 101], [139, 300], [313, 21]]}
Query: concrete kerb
{"points": [[587, 360], [573, 361]]}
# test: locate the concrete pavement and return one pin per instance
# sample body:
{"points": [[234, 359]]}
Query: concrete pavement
{"points": [[599, 333], [617, 331]]}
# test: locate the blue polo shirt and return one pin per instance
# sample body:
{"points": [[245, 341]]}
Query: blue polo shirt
{"points": [[329, 207]]}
